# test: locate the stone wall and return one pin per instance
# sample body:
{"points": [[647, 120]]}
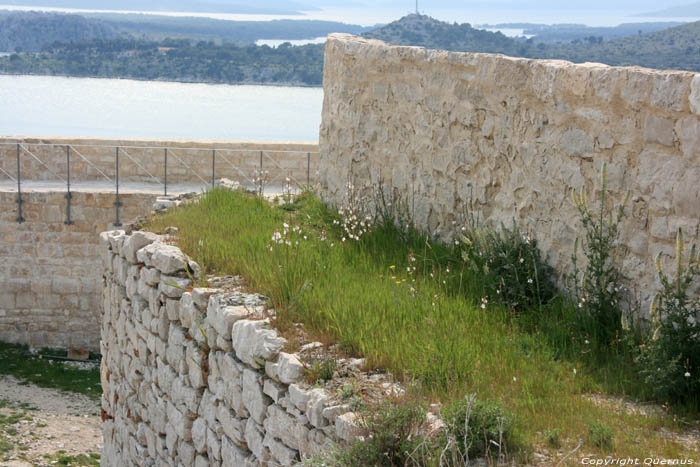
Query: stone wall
{"points": [[516, 137], [195, 376], [50, 282], [187, 160]]}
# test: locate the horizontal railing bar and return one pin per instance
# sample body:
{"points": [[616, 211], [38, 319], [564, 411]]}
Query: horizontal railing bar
{"points": [[253, 149]]}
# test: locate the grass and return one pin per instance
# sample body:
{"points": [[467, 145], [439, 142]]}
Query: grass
{"points": [[14, 361], [80, 460], [427, 324]]}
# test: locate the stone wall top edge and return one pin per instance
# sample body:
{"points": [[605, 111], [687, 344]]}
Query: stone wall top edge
{"points": [[174, 142], [344, 39]]}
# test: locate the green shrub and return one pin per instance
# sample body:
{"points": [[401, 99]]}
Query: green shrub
{"points": [[477, 429], [670, 359], [599, 292], [601, 435], [509, 264], [392, 438]]}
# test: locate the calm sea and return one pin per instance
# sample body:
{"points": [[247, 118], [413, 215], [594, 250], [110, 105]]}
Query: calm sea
{"points": [[56, 106]]}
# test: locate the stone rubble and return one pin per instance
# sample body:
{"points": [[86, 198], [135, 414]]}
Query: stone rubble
{"points": [[196, 376]]}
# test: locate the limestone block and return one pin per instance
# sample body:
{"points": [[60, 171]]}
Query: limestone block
{"points": [[233, 427], [186, 453], [173, 287], [199, 435], [168, 259], [180, 423], [254, 342], [659, 130], [150, 276], [274, 390], [222, 318], [201, 296], [280, 453], [208, 407], [184, 396], [196, 361], [575, 142], [172, 307], [288, 369], [116, 239], [688, 130], [231, 454], [213, 447], [669, 90], [694, 97], [347, 426], [145, 254], [290, 430], [202, 461], [331, 412], [299, 396], [254, 438], [314, 407], [135, 242], [188, 313], [254, 399]]}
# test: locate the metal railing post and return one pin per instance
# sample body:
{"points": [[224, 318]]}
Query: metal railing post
{"points": [[213, 167], [165, 173], [261, 173], [68, 193], [20, 219], [308, 169], [117, 203]]}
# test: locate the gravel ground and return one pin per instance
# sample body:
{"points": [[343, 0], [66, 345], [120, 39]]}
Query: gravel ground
{"points": [[40, 425]]}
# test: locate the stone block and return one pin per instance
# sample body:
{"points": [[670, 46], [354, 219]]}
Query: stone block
{"points": [[173, 287], [231, 454], [254, 399], [135, 242], [280, 453], [659, 130], [254, 342], [222, 318], [288, 369], [168, 259]]}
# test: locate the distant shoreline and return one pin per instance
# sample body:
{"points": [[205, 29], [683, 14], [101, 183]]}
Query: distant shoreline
{"points": [[242, 83]]}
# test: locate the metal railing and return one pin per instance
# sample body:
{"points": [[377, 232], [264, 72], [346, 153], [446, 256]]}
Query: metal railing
{"points": [[258, 179]]}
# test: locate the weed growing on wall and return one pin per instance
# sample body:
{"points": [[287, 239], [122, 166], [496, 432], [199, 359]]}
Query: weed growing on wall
{"points": [[670, 358], [598, 288], [509, 265]]}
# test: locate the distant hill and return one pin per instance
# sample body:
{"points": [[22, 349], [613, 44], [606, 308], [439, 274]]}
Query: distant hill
{"points": [[158, 27], [30, 32], [691, 10], [673, 48], [424, 31]]}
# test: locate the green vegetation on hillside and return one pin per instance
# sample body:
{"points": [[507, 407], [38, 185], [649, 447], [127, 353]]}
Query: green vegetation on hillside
{"points": [[674, 48], [30, 32], [422, 310], [174, 60]]}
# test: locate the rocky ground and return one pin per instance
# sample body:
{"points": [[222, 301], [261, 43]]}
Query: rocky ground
{"points": [[45, 427]]}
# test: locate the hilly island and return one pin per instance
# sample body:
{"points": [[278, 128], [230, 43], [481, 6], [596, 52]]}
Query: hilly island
{"points": [[180, 49]]}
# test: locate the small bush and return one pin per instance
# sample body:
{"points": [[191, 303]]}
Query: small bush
{"points": [[598, 290], [509, 264], [477, 429], [320, 370], [552, 437], [391, 438], [670, 359], [601, 435]]}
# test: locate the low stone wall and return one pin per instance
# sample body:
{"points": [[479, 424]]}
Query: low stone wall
{"points": [[50, 282], [517, 137], [193, 376], [188, 161]]}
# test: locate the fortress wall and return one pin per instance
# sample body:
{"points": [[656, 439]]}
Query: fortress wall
{"points": [[139, 159], [197, 376], [51, 279], [516, 137]]}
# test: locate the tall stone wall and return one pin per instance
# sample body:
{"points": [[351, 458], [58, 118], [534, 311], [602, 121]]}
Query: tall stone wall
{"points": [[516, 137], [51, 279], [144, 160], [197, 377]]}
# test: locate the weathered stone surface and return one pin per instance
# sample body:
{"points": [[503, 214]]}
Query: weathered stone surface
{"points": [[201, 296], [659, 130], [254, 399], [254, 342], [135, 242], [232, 454], [288, 369], [199, 435], [298, 396], [347, 426], [168, 259], [222, 317], [314, 407], [280, 453], [173, 287]]}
